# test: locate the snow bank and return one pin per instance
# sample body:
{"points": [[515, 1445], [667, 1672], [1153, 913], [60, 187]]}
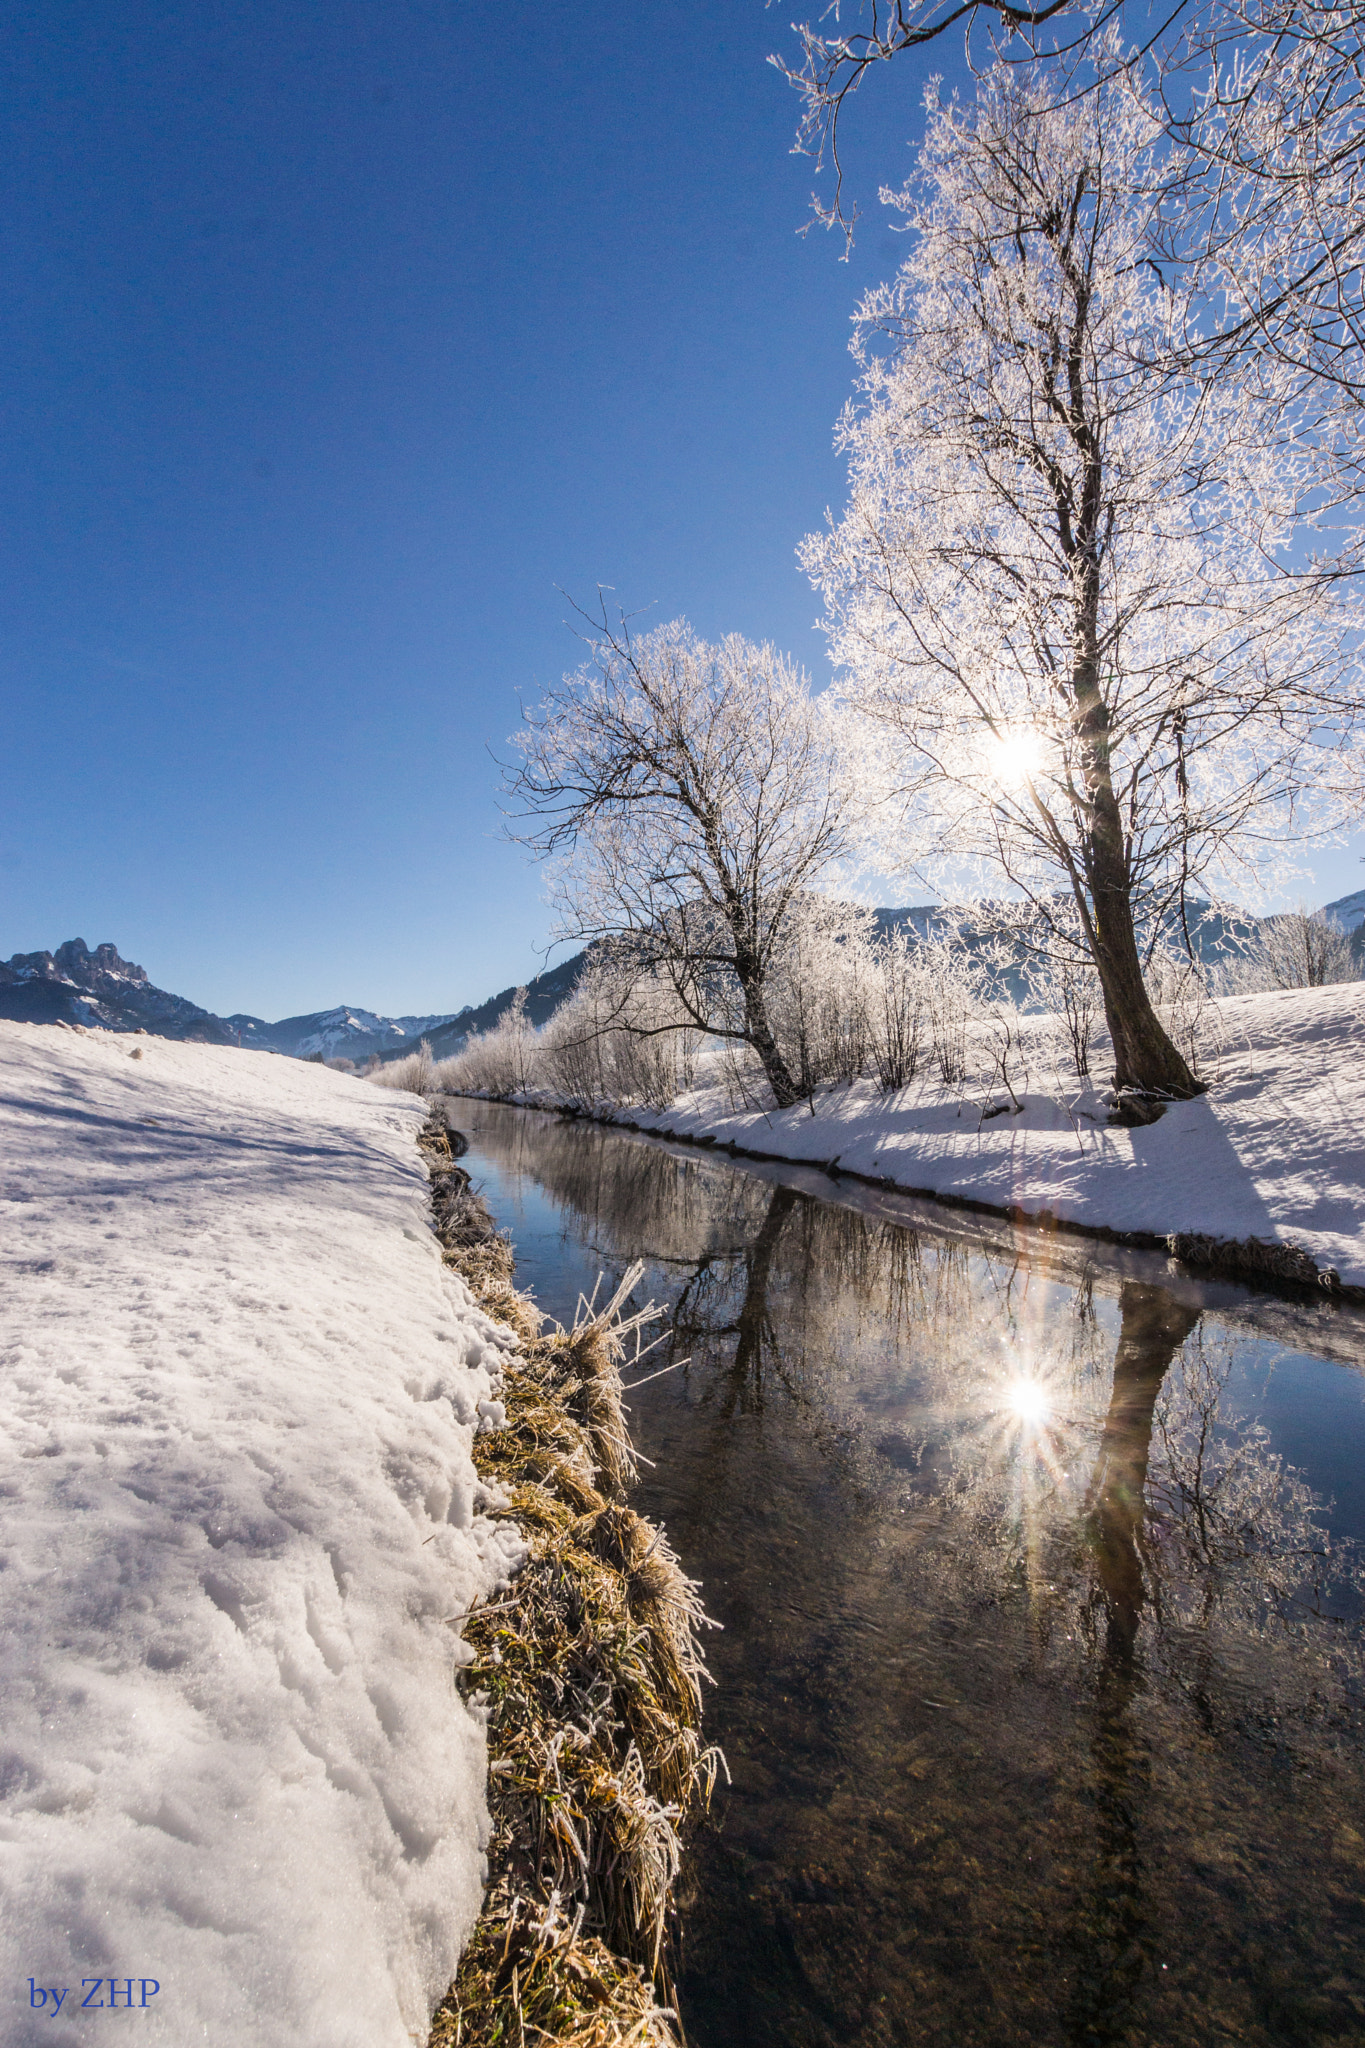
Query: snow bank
{"points": [[238, 1398], [1275, 1150]]}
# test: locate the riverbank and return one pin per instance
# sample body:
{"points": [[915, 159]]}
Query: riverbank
{"points": [[589, 1674], [239, 1401], [1261, 1176]]}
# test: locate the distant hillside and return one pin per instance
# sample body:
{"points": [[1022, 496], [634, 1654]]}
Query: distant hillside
{"points": [[544, 994], [1349, 913], [344, 1032]]}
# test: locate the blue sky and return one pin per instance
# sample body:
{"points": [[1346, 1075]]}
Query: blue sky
{"points": [[339, 339]]}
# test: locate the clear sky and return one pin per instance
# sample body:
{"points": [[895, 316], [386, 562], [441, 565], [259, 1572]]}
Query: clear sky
{"points": [[339, 340]]}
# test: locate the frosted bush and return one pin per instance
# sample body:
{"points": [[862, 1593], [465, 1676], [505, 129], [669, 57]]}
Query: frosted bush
{"points": [[1064, 984], [496, 1062], [617, 1038], [899, 1012], [950, 1000], [621, 1037], [1298, 949], [412, 1074], [570, 1058], [1183, 999], [821, 992]]}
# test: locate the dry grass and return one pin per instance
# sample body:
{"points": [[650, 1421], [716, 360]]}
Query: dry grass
{"points": [[537, 1980], [591, 1672]]}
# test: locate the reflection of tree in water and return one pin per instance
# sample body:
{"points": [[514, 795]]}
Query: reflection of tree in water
{"points": [[1112, 1935], [1191, 1545], [1132, 1550], [1140, 1499], [1152, 1330], [799, 1303], [706, 1310], [641, 1199], [1147, 1511]]}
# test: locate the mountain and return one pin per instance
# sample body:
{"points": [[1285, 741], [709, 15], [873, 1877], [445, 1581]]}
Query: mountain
{"points": [[544, 994], [75, 986], [344, 1032], [103, 990], [1347, 911]]}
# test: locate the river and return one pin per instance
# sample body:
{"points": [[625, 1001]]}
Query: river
{"points": [[1040, 1668]]}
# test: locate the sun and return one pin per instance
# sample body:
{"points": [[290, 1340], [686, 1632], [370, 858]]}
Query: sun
{"points": [[1015, 754]]}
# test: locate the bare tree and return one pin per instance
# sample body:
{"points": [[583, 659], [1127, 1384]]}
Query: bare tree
{"points": [[689, 796], [1059, 579]]}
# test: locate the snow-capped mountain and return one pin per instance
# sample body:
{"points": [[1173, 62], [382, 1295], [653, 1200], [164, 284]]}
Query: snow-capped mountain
{"points": [[75, 986], [101, 989], [344, 1032]]}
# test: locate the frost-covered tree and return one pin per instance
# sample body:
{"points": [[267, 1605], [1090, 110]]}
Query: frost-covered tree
{"points": [[1262, 97], [689, 796], [1296, 949], [1059, 585], [1263, 100], [1261, 184]]}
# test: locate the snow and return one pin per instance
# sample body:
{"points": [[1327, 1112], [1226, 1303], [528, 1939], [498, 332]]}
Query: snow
{"points": [[238, 1400], [1347, 911], [1275, 1150]]}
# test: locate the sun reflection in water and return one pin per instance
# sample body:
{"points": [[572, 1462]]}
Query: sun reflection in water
{"points": [[1029, 1401]]}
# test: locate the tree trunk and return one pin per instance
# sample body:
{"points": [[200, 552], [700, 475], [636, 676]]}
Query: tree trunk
{"points": [[760, 1034], [1145, 1060]]}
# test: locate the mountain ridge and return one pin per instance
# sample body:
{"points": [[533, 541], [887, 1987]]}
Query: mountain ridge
{"points": [[99, 989]]}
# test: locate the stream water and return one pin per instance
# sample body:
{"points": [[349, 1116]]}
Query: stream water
{"points": [[1041, 1673]]}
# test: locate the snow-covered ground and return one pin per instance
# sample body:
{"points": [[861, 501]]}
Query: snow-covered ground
{"points": [[239, 1392], [1275, 1150]]}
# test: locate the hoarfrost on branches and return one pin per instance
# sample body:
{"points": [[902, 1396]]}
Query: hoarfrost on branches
{"points": [[1060, 585], [1260, 101], [689, 796]]}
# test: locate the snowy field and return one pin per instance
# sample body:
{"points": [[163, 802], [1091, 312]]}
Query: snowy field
{"points": [[1275, 1150], [237, 1785]]}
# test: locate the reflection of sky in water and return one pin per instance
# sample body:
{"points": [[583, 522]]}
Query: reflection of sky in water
{"points": [[1035, 1733], [1315, 1412]]}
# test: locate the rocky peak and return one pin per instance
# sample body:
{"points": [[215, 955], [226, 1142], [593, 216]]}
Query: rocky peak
{"points": [[75, 960]]}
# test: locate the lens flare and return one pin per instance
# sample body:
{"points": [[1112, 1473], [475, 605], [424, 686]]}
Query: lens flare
{"points": [[1028, 1400]]}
